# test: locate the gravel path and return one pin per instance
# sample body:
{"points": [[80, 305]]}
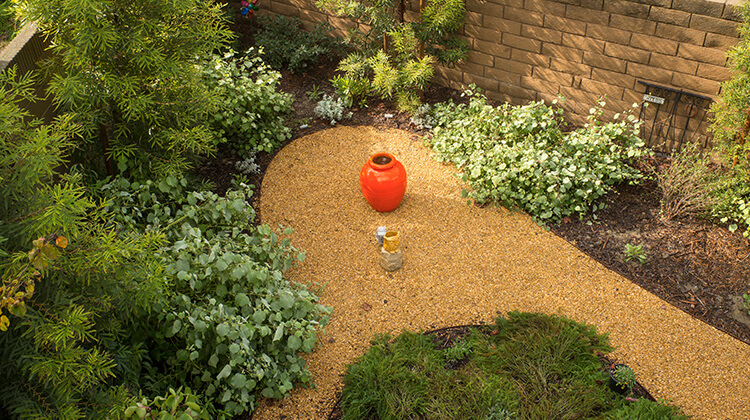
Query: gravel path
{"points": [[463, 264]]}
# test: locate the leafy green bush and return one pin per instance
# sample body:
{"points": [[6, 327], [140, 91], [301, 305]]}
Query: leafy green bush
{"points": [[129, 75], [731, 199], [730, 115], [332, 109], [233, 325], [9, 25], [287, 44], [177, 405], [352, 88], [396, 56], [400, 79], [730, 127], [518, 156], [251, 115]]}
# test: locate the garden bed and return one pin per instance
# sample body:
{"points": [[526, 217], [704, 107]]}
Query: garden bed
{"points": [[695, 265], [446, 339]]}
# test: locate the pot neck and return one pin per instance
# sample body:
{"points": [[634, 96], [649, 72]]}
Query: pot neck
{"points": [[385, 166]]}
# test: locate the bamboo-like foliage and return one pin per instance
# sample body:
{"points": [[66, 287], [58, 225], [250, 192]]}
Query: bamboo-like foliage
{"points": [[126, 72], [68, 282]]}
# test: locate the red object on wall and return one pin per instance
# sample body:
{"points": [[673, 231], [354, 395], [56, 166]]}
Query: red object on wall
{"points": [[383, 182]]}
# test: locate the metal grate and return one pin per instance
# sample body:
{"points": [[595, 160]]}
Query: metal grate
{"points": [[673, 118]]}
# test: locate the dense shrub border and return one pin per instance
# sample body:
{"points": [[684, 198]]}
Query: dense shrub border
{"points": [[232, 325], [517, 156]]}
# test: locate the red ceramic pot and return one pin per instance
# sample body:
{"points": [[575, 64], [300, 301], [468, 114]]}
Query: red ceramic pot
{"points": [[383, 182]]}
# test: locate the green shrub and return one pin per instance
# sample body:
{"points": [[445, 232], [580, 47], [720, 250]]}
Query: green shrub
{"points": [[128, 74], [731, 197], [233, 325], [9, 25], [530, 366], [517, 156], [400, 79], [351, 89], [332, 109], [730, 114], [182, 405], [396, 56], [287, 44], [730, 127], [644, 409], [251, 115]]}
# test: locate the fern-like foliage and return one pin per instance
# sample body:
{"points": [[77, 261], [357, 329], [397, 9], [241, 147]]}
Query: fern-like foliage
{"points": [[400, 50], [385, 78], [405, 43], [441, 17]]}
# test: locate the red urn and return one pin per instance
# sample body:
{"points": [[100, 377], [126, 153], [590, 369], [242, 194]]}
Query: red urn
{"points": [[383, 181]]}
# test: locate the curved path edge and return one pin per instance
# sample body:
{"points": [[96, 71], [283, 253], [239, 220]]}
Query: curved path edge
{"points": [[463, 264]]}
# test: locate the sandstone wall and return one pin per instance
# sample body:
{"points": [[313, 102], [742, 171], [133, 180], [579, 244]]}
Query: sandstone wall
{"points": [[525, 50]]}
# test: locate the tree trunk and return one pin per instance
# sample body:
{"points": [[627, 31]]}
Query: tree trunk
{"points": [[421, 43], [105, 145], [742, 135]]}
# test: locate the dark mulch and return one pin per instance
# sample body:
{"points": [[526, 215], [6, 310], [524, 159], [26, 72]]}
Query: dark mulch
{"points": [[695, 265]]}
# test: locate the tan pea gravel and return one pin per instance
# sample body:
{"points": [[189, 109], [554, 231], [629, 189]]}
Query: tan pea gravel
{"points": [[461, 265]]}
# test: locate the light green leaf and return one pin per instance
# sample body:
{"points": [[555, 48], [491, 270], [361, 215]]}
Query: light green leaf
{"points": [[182, 265], [238, 380], [268, 392], [241, 300], [279, 333], [225, 372], [294, 343], [222, 329], [308, 345], [287, 300]]}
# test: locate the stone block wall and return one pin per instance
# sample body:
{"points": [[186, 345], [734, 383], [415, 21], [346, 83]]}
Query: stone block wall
{"points": [[22, 53], [582, 50]]}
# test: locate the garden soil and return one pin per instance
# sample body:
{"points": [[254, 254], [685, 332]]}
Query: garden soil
{"points": [[463, 264]]}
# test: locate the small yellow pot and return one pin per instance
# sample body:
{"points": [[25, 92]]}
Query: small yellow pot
{"points": [[390, 241]]}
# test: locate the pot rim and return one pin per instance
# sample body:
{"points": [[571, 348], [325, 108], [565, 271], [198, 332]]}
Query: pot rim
{"points": [[382, 167]]}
